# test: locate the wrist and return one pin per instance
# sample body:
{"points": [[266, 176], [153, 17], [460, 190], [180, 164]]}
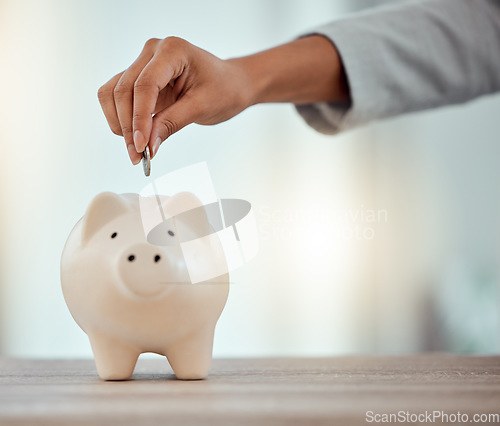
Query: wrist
{"points": [[253, 80]]}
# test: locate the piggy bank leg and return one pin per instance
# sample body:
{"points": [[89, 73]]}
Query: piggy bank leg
{"points": [[190, 358], [115, 360]]}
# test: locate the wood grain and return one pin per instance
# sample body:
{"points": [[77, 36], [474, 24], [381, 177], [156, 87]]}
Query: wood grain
{"points": [[249, 391]]}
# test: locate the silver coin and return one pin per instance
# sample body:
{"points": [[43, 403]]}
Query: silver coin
{"points": [[146, 161]]}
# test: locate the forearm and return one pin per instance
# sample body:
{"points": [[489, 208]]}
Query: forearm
{"points": [[411, 56], [303, 71]]}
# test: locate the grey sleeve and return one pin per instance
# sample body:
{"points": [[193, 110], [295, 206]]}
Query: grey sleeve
{"points": [[409, 57]]}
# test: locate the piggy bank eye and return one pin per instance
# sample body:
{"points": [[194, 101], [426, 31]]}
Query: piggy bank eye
{"points": [[171, 233], [113, 235]]}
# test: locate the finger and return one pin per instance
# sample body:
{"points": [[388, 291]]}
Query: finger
{"points": [[165, 123], [124, 91], [135, 157], [157, 74], [107, 101]]}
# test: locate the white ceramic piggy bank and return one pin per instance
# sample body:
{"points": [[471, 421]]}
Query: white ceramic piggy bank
{"points": [[132, 297]]}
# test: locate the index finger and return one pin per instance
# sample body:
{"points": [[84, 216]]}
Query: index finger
{"points": [[153, 78]]}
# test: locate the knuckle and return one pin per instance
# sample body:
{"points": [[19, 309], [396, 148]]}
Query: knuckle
{"points": [[144, 85], [171, 43], [122, 89], [140, 116], [116, 130], [151, 43], [140, 119], [104, 93], [170, 126], [126, 130]]}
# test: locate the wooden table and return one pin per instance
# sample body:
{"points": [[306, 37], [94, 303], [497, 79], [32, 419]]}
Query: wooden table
{"points": [[254, 391]]}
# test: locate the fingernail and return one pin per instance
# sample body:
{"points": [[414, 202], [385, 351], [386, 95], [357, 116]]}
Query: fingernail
{"points": [[139, 141], [156, 145], [133, 154]]}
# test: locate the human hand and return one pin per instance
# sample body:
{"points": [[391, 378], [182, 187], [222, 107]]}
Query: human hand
{"points": [[170, 85], [173, 83]]}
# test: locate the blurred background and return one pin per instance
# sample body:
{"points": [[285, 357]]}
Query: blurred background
{"points": [[384, 239]]}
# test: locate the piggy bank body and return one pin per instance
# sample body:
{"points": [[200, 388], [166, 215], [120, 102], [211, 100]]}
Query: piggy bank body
{"points": [[132, 297]]}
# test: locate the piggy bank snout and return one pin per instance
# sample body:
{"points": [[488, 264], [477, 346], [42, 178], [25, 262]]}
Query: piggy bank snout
{"points": [[143, 268], [142, 254]]}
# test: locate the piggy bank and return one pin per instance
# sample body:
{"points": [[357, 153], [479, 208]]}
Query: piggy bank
{"points": [[130, 296]]}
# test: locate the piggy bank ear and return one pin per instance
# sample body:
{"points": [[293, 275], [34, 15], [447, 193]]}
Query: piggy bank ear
{"points": [[179, 203], [103, 208], [189, 215]]}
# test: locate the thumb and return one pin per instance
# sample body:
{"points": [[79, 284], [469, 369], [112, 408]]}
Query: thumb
{"points": [[171, 120]]}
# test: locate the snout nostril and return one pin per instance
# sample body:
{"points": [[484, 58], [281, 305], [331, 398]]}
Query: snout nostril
{"points": [[131, 258], [157, 258]]}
